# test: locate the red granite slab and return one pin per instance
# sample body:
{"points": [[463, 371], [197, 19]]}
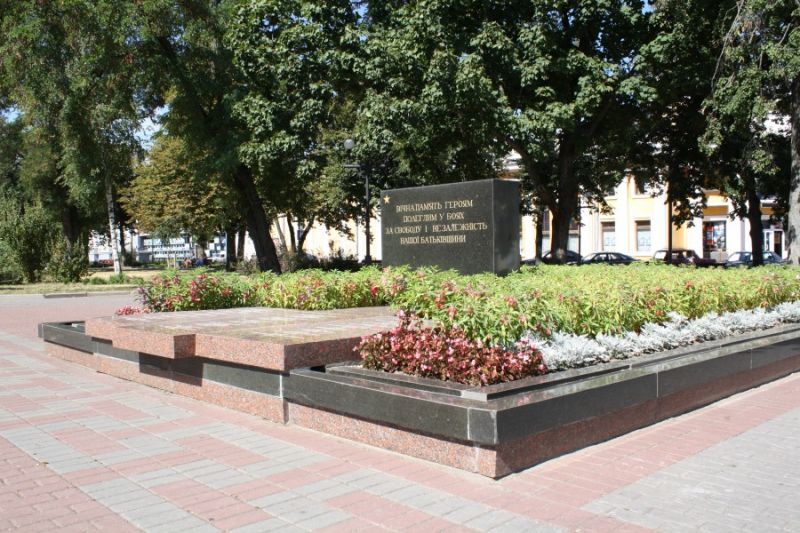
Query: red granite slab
{"points": [[276, 339]]}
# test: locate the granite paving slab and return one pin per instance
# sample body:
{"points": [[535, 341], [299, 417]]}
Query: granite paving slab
{"points": [[278, 339]]}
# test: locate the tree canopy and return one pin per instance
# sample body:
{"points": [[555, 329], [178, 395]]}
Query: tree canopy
{"points": [[255, 98]]}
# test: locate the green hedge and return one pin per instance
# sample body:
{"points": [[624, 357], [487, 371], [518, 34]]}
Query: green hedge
{"points": [[587, 300]]}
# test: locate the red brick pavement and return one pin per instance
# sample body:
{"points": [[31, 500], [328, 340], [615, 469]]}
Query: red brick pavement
{"points": [[193, 465]]}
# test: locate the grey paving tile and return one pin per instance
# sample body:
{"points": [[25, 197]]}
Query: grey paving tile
{"points": [[326, 519], [273, 524]]}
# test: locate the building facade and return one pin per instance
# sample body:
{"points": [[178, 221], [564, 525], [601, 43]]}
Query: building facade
{"points": [[638, 225]]}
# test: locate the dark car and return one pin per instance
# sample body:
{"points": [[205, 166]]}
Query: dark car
{"points": [[742, 259], [684, 256], [609, 258], [573, 258]]}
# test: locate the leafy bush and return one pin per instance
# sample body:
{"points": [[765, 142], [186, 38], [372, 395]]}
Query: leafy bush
{"points": [[591, 300], [28, 236], [67, 265], [317, 290], [10, 271], [115, 279], [447, 354], [172, 291]]}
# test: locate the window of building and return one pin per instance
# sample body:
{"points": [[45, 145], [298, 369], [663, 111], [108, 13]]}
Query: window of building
{"points": [[643, 243], [714, 237], [608, 232]]}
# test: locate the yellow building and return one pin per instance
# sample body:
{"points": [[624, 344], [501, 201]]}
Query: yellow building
{"points": [[638, 224]]}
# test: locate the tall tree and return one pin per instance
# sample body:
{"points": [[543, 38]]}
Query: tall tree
{"points": [[757, 82], [189, 67], [555, 81], [296, 59], [67, 68], [678, 63], [167, 197]]}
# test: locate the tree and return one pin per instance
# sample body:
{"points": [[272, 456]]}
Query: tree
{"points": [[757, 81], [187, 64], [294, 57], [557, 82], [67, 69], [678, 63], [167, 197]]}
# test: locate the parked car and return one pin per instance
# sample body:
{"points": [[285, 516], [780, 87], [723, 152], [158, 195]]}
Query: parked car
{"points": [[741, 259], [609, 258], [684, 256], [573, 258]]}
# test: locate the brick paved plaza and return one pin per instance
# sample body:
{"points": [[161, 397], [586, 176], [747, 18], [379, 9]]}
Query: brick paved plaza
{"points": [[82, 451]]}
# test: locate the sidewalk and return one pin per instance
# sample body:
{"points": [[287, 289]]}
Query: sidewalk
{"points": [[81, 451]]}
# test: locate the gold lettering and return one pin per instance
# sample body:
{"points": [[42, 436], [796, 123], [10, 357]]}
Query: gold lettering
{"points": [[414, 208], [407, 229], [457, 204]]}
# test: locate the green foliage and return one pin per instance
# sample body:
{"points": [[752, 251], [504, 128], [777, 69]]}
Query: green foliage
{"points": [[168, 197], [455, 86], [10, 271], [586, 300], [175, 291], [116, 279], [678, 63], [590, 300], [28, 235], [67, 264]]}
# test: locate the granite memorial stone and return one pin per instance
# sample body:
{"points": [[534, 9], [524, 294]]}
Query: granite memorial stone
{"points": [[471, 226]]}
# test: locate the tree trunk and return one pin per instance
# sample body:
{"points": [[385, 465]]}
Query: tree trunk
{"points": [[567, 203], [301, 240], [282, 245], [292, 236], [230, 248], [257, 221], [756, 226], [112, 225], [70, 226], [240, 241], [559, 234], [792, 237], [539, 238], [122, 243]]}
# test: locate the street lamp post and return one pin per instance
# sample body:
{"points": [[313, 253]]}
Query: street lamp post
{"points": [[349, 144]]}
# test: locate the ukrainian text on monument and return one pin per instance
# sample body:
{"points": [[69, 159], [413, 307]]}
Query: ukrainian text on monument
{"points": [[441, 222]]}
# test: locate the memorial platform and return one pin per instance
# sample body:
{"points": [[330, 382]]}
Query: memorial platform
{"points": [[297, 367]]}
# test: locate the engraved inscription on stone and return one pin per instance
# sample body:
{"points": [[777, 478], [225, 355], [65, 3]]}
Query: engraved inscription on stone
{"points": [[469, 226]]}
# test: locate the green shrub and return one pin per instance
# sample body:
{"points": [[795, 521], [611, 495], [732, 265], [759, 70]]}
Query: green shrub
{"points": [[28, 235], [67, 265], [196, 291], [589, 300], [10, 271]]}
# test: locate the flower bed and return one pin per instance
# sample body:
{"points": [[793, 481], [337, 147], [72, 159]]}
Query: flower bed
{"points": [[485, 329], [590, 300], [435, 352]]}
